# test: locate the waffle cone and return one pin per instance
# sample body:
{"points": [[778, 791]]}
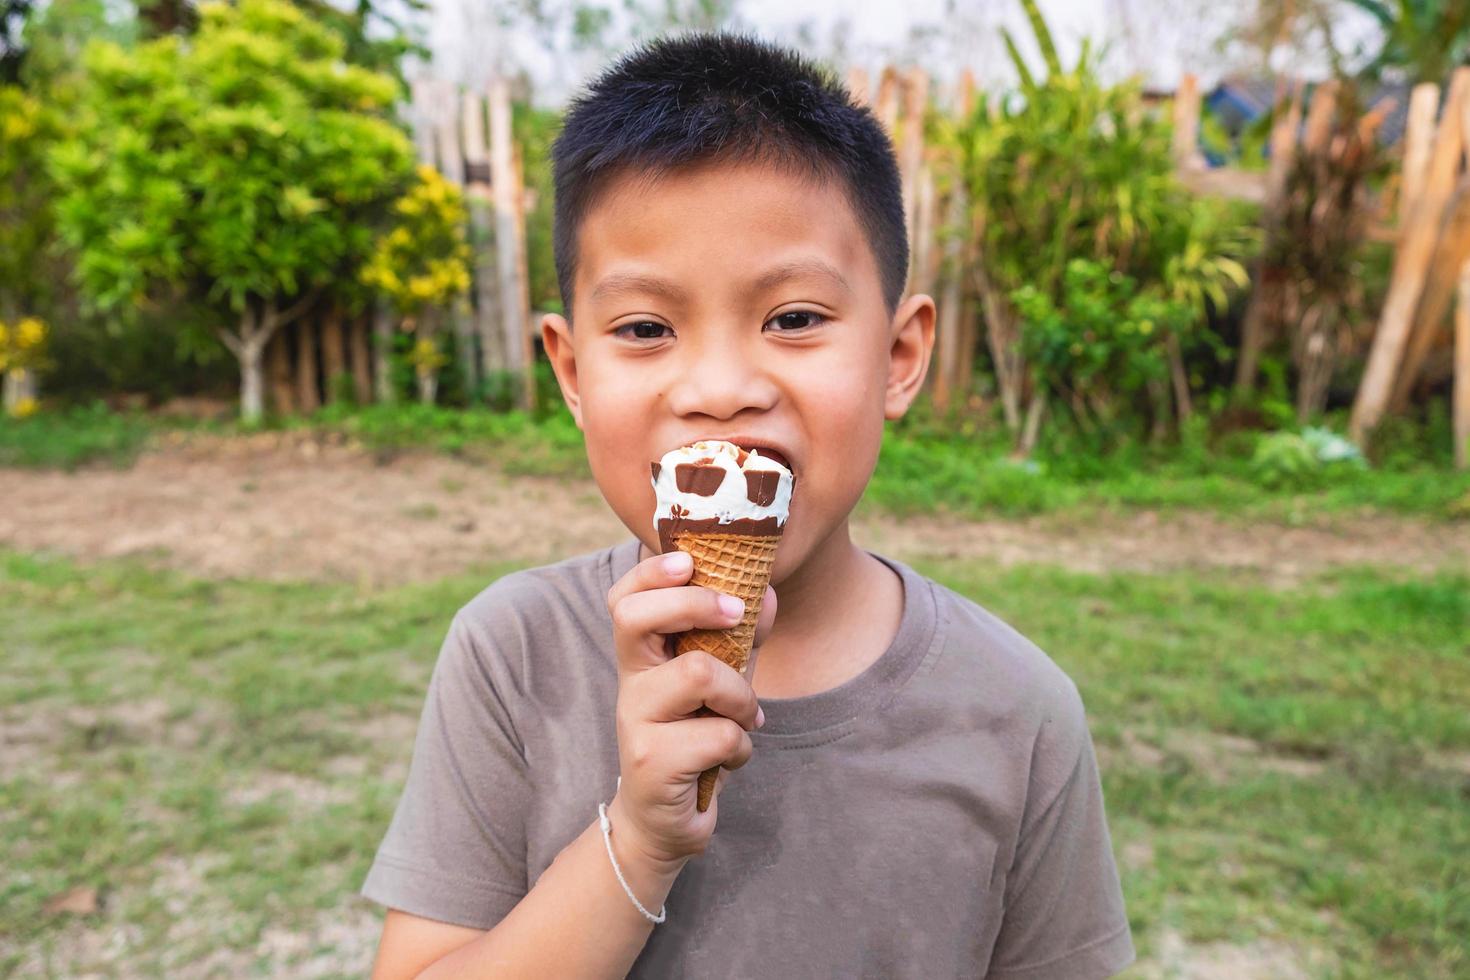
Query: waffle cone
{"points": [[738, 565]]}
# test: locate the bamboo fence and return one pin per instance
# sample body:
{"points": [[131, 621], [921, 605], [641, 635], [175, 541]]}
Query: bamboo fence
{"points": [[1426, 217], [467, 136]]}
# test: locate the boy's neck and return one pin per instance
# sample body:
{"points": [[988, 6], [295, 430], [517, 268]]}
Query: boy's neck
{"points": [[835, 615]]}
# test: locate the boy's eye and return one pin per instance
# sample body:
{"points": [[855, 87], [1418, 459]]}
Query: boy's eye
{"points": [[642, 330], [796, 320]]}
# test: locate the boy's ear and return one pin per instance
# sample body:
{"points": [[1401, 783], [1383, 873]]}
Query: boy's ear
{"points": [[556, 338], [908, 358]]}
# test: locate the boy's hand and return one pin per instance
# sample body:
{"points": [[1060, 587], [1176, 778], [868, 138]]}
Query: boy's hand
{"points": [[662, 746]]}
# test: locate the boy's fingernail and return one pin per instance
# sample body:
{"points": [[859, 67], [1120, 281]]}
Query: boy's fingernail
{"points": [[731, 606], [760, 717], [676, 562]]}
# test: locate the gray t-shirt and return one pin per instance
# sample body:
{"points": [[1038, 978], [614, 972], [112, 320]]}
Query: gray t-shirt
{"points": [[938, 815]]}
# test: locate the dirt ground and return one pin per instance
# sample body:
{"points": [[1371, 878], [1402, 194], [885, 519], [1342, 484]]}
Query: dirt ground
{"points": [[289, 507], [283, 506]]}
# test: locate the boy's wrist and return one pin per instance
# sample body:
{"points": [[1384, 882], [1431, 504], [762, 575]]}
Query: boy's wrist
{"points": [[634, 855]]}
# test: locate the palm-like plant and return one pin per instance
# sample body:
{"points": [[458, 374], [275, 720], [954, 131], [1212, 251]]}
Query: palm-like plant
{"points": [[1425, 38]]}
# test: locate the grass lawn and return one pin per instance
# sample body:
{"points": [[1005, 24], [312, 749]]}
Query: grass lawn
{"points": [[1286, 768], [925, 467]]}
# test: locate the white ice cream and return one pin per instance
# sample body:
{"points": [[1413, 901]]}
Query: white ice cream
{"points": [[730, 502]]}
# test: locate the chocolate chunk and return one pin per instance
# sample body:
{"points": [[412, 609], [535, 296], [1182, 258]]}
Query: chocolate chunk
{"points": [[696, 479], [656, 468], [760, 486]]}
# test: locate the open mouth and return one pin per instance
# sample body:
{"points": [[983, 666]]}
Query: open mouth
{"points": [[768, 453]]}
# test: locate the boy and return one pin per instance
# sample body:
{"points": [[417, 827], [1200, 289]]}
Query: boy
{"points": [[918, 794]]}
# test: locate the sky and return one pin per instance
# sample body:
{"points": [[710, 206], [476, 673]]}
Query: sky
{"points": [[1156, 39]]}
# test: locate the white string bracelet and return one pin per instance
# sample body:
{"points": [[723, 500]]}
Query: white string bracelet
{"points": [[607, 840]]}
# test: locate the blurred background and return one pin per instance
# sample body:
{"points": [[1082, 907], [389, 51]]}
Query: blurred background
{"points": [[275, 407]]}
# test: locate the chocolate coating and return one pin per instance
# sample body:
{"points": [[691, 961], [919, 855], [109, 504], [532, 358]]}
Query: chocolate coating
{"points": [[657, 466], [670, 526]]}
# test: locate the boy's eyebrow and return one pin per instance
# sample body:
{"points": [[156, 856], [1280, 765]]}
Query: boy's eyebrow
{"points": [[630, 282], [795, 269], [636, 282]]}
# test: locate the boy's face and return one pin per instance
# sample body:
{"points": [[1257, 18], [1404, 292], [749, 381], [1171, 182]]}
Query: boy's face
{"points": [[735, 300]]}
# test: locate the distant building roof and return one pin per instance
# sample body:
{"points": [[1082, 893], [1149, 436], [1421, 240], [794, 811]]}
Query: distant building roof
{"points": [[1238, 101]]}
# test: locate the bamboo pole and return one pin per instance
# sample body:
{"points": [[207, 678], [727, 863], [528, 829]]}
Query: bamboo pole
{"points": [[1462, 372], [422, 121], [947, 372], [1186, 124], [923, 252], [1418, 143], [523, 286], [1319, 117], [886, 105], [446, 132], [1411, 264], [1266, 294], [857, 85], [1450, 253], [911, 155], [510, 285], [479, 199], [1434, 302], [469, 148], [963, 362], [1283, 145]]}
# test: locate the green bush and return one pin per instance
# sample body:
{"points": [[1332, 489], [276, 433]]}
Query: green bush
{"points": [[1092, 256], [67, 439], [515, 441]]}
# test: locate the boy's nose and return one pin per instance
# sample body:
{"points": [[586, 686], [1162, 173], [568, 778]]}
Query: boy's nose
{"points": [[721, 380]]}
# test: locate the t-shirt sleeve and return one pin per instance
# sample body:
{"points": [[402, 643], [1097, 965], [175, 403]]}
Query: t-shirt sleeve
{"points": [[1064, 917], [455, 850]]}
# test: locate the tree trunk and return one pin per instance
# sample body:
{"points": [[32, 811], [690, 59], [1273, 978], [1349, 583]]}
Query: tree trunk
{"points": [[334, 361], [252, 383], [249, 345], [1031, 430], [1264, 302], [19, 385], [278, 368], [362, 374], [1183, 406], [428, 386], [308, 395], [383, 341]]}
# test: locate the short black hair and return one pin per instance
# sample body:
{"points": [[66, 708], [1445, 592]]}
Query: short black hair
{"points": [[688, 98]]}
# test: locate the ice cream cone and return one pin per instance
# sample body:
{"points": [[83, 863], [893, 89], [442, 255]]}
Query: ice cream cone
{"points": [[731, 528], [737, 565]]}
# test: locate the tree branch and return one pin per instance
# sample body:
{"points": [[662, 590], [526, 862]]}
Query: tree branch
{"points": [[231, 341], [297, 308]]}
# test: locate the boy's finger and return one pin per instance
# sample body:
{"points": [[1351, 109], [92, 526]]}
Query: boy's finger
{"points": [[689, 747], [680, 688], [656, 572], [642, 619]]}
